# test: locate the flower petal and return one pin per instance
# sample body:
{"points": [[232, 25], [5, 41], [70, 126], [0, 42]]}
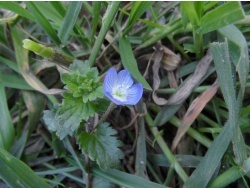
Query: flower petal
{"points": [[125, 79], [134, 94], [117, 102], [110, 80]]}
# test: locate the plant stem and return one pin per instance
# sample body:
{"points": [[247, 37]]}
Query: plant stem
{"points": [[198, 43], [162, 33], [179, 170], [105, 115], [169, 176]]}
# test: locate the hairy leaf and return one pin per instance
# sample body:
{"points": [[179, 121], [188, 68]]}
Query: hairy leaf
{"points": [[101, 146], [83, 81], [67, 118]]}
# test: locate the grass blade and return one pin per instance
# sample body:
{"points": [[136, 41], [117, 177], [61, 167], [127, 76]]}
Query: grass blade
{"points": [[223, 15], [18, 174], [108, 18], [69, 21], [35, 103], [138, 8], [96, 16], [238, 50], [189, 13], [211, 160], [50, 12], [129, 61], [125, 179], [177, 24], [15, 7], [193, 111], [40, 18], [23, 65], [6, 127], [59, 7], [141, 153], [15, 81]]}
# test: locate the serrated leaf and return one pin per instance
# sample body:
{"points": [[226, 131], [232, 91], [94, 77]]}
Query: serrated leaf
{"points": [[67, 118], [79, 67], [83, 81], [101, 146]]}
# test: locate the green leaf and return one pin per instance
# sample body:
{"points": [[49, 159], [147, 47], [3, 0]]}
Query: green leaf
{"points": [[58, 6], [15, 7], [189, 13], [35, 103], [100, 183], [102, 146], [161, 33], [23, 65], [18, 174], [41, 19], [129, 62], [10, 64], [7, 133], [66, 118], [238, 50], [138, 8], [15, 81], [125, 179], [83, 81], [225, 72], [96, 17], [50, 12], [221, 16], [69, 21], [199, 8], [106, 23]]}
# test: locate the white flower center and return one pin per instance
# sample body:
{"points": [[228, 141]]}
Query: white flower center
{"points": [[120, 92]]}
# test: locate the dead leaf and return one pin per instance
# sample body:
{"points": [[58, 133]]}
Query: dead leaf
{"points": [[156, 78], [170, 60], [193, 111], [182, 93], [173, 82]]}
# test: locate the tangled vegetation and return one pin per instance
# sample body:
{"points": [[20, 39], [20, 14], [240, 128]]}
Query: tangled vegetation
{"points": [[71, 77]]}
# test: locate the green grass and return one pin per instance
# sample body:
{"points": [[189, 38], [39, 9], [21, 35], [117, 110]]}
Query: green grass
{"points": [[40, 40]]}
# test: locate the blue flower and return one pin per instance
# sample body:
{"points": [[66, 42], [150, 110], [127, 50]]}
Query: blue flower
{"points": [[120, 88]]}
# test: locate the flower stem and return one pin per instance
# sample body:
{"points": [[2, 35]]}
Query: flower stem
{"points": [[105, 115]]}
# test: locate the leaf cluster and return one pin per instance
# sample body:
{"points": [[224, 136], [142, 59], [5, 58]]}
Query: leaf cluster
{"points": [[83, 81], [79, 103]]}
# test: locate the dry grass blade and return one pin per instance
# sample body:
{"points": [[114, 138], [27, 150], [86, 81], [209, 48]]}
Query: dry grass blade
{"points": [[34, 82], [192, 82], [193, 111]]}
